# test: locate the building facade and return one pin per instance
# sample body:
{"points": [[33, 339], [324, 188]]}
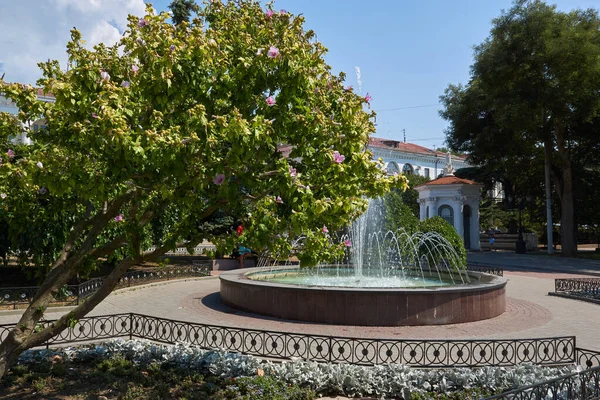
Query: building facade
{"points": [[8, 106], [409, 158]]}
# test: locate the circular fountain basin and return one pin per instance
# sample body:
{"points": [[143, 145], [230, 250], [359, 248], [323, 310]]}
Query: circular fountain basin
{"points": [[281, 292]]}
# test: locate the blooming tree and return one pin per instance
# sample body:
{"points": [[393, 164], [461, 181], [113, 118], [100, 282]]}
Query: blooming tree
{"points": [[177, 127]]}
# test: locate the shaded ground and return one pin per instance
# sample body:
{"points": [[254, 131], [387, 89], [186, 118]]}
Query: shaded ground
{"points": [[118, 378]]}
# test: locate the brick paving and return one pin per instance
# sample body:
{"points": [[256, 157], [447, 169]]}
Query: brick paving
{"points": [[530, 313]]}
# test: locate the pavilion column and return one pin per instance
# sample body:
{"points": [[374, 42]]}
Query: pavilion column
{"points": [[422, 209], [475, 244], [458, 218], [433, 210]]}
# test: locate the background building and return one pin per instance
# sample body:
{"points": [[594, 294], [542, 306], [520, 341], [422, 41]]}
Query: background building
{"points": [[409, 158]]}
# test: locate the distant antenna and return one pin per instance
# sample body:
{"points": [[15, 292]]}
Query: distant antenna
{"points": [[404, 131]]}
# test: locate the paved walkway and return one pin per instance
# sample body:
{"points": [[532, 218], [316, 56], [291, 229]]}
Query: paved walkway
{"points": [[531, 313]]}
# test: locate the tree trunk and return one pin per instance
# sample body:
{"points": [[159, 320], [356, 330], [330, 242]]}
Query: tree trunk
{"points": [[567, 220], [10, 349]]}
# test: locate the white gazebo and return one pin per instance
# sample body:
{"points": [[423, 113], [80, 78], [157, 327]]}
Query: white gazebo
{"points": [[456, 200]]}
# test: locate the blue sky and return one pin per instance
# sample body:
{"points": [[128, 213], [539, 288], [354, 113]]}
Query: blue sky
{"points": [[408, 51]]}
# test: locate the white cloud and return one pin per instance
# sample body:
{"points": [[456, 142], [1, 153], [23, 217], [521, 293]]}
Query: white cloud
{"points": [[32, 31]]}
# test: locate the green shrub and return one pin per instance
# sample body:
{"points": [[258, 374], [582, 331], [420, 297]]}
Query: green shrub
{"points": [[447, 231], [398, 215], [264, 387]]}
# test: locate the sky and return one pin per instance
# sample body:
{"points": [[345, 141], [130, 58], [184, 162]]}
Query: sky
{"points": [[408, 52]]}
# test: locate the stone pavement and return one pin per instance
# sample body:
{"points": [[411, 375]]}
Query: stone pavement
{"points": [[531, 313]]}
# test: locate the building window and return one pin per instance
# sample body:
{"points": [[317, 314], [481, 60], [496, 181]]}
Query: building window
{"points": [[408, 169], [393, 168], [427, 212], [426, 173], [447, 213]]}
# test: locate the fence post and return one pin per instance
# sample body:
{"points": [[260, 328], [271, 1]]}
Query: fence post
{"points": [[130, 326]]}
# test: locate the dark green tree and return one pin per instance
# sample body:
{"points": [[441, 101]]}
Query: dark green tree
{"points": [[182, 10], [534, 83]]}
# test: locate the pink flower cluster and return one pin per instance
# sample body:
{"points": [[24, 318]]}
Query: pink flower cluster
{"points": [[219, 179], [338, 158], [273, 52]]}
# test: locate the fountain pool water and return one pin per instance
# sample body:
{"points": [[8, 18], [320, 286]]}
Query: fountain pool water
{"points": [[345, 277], [386, 279]]}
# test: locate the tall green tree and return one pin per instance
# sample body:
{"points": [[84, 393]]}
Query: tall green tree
{"points": [[182, 10], [534, 81], [185, 122]]}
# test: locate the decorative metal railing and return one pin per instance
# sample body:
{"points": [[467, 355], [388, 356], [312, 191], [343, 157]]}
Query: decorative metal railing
{"points": [[486, 269], [14, 297], [587, 289], [584, 385], [285, 345]]}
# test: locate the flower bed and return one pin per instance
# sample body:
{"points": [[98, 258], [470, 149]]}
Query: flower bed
{"points": [[304, 377]]}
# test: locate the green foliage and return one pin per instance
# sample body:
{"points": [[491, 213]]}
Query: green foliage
{"points": [[171, 140], [398, 214], [447, 231], [182, 10], [264, 387], [410, 196]]}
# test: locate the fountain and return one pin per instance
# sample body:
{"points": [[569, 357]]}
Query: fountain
{"points": [[386, 279]]}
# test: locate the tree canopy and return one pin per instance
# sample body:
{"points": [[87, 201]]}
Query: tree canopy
{"points": [[534, 83], [179, 134]]}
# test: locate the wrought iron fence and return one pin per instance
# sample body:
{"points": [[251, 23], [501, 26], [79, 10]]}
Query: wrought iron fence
{"points": [[141, 277], [499, 271], [587, 289], [285, 345], [15, 297], [584, 385]]}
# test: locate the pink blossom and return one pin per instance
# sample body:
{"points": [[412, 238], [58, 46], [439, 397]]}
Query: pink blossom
{"points": [[259, 52], [273, 52], [10, 153], [368, 98], [142, 23], [269, 13], [338, 158], [94, 115], [283, 12], [348, 88], [105, 76], [270, 101], [324, 229], [3, 195], [125, 84], [39, 164], [292, 172], [278, 200], [212, 42], [135, 68], [219, 179], [119, 218], [347, 243]]}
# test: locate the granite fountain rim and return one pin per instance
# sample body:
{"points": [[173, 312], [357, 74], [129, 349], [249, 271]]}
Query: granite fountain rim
{"points": [[483, 282]]}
